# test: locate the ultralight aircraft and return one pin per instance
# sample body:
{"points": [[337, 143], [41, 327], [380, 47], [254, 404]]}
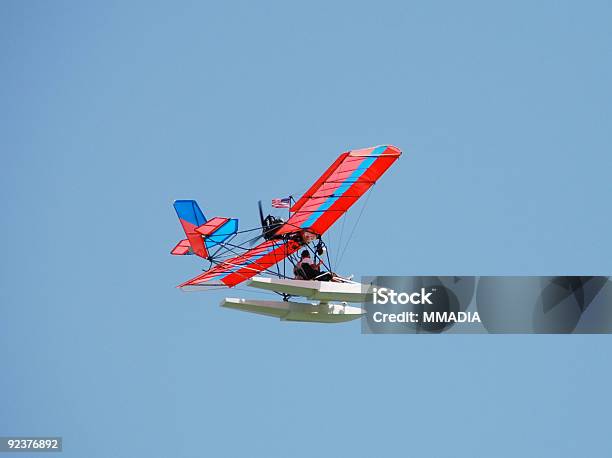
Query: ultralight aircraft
{"points": [[275, 247]]}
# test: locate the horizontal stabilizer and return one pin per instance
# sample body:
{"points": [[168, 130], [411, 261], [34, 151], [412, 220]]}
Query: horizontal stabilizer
{"points": [[217, 230], [181, 248], [211, 225]]}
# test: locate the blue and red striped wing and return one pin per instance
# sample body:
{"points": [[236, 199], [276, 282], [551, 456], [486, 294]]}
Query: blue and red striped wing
{"points": [[342, 184], [240, 268]]}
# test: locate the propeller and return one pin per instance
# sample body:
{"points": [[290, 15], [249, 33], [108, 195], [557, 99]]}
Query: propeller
{"points": [[256, 239], [261, 216], [269, 225]]}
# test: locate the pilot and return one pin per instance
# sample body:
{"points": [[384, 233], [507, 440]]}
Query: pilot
{"points": [[307, 269]]}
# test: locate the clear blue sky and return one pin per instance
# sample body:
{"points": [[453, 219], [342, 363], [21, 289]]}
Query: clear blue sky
{"points": [[110, 110]]}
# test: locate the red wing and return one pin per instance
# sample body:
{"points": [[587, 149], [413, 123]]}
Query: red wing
{"points": [[348, 178], [240, 268]]}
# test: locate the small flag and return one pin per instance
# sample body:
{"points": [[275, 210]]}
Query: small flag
{"points": [[281, 203]]}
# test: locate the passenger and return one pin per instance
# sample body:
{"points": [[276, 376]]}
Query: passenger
{"points": [[306, 269]]}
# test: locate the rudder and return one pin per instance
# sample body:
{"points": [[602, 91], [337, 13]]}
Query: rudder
{"points": [[191, 217]]}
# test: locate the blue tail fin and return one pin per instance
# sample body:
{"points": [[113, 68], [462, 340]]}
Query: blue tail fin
{"points": [[189, 211]]}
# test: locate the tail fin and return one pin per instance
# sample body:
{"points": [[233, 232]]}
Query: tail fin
{"points": [[189, 211], [191, 217], [201, 234]]}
